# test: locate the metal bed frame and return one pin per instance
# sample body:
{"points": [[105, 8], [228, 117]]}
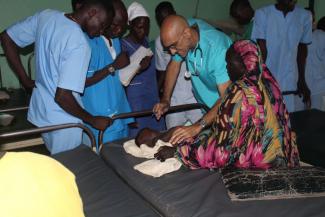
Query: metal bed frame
{"points": [[49, 129], [172, 109]]}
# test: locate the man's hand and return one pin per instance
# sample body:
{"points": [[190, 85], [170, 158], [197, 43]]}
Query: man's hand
{"points": [[145, 63], [304, 91], [28, 84], [121, 61], [164, 153], [185, 133], [101, 123], [161, 108]]}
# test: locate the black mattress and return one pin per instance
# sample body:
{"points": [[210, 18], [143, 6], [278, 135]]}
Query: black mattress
{"points": [[103, 193], [200, 193]]}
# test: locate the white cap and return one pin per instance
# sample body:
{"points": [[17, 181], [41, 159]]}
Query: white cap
{"points": [[136, 10]]}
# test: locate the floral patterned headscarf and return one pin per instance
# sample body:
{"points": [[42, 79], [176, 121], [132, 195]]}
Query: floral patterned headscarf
{"points": [[260, 88]]}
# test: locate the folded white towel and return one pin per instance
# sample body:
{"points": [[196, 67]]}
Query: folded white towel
{"points": [[143, 151], [151, 167], [156, 168]]}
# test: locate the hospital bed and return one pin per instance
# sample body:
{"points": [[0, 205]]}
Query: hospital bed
{"points": [[103, 193], [201, 192], [109, 186]]}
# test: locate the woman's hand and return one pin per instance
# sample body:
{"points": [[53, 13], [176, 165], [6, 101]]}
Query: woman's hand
{"points": [[185, 133], [145, 63]]}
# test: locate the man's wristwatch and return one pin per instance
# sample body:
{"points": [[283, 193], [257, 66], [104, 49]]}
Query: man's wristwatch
{"points": [[202, 123], [110, 68]]}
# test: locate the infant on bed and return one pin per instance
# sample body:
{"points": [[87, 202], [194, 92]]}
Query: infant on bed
{"points": [[150, 138], [147, 144]]}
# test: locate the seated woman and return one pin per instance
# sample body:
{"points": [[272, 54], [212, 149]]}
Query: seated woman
{"points": [[252, 126]]}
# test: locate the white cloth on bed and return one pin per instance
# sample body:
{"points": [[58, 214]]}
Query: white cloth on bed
{"points": [[152, 167], [156, 168]]}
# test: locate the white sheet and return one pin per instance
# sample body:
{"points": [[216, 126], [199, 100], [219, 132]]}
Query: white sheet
{"points": [[152, 167]]}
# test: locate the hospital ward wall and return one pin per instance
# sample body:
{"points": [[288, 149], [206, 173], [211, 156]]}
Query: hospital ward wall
{"points": [[14, 10]]}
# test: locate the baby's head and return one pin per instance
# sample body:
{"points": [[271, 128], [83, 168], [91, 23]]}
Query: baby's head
{"points": [[147, 136]]}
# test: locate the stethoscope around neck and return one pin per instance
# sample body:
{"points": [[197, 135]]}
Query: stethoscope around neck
{"points": [[197, 51]]}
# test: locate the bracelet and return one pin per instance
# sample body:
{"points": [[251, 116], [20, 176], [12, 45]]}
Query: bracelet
{"points": [[202, 123]]}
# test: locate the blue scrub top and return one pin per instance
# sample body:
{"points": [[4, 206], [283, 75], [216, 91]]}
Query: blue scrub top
{"points": [[107, 97], [210, 63], [62, 56], [283, 35]]}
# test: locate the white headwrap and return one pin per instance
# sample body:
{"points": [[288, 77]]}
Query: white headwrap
{"points": [[136, 10]]}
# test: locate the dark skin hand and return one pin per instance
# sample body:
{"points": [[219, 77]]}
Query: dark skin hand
{"points": [[12, 54], [302, 86], [120, 62], [145, 63], [68, 103], [164, 153]]}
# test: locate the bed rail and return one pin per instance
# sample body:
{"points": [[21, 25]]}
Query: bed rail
{"points": [[172, 109], [21, 108], [48, 129]]}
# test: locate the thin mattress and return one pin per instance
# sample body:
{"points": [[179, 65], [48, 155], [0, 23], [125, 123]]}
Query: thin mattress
{"points": [[200, 193]]}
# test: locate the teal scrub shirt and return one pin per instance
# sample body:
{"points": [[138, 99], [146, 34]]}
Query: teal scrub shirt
{"points": [[207, 62]]}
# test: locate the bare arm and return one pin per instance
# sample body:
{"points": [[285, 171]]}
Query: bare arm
{"points": [[68, 103], [172, 73], [185, 133], [161, 76], [211, 115], [11, 51], [301, 62], [262, 44], [121, 61]]}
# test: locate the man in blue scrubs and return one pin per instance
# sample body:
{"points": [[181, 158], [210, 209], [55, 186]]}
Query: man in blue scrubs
{"points": [[204, 49], [283, 31], [62, 56], [104, 94]]}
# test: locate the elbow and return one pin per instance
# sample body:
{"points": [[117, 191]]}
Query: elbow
{"points": [[60, 96]]}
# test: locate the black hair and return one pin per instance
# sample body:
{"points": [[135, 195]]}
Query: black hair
{"points": [[321, 24], [75, 2], [237, 5], [107, 5], [163, 10], [164, 6]]}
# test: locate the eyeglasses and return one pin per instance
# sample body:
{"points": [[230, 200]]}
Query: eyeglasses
{"points": [[174, 46]]}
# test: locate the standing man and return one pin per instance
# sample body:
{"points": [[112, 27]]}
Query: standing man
{"points": [[204, 49], [62, 57], [283, 31], [183, 92], [104, 94], [243, 13]]}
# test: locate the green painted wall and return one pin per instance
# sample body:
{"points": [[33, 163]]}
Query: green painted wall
{"points": [[14, 10]]}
